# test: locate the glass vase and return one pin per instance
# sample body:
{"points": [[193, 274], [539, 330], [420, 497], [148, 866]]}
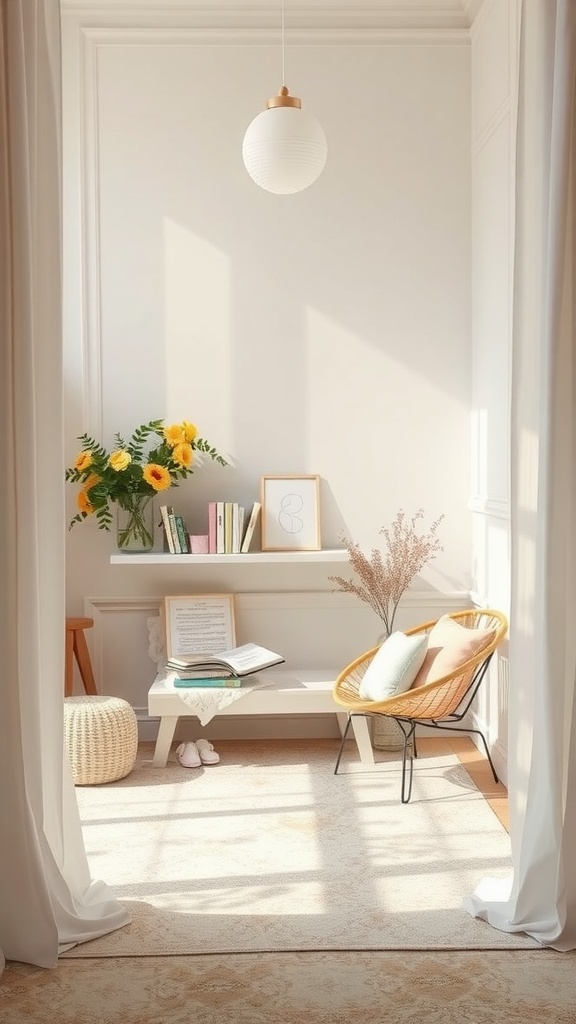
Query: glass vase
{"points": [[386, 733], [135, 523]]}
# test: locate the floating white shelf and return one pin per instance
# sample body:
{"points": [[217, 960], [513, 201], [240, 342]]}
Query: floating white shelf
{"points": [[252, 557]]}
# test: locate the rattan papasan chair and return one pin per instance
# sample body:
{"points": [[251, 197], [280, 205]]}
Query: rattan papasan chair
{"points": [[440, 703]]}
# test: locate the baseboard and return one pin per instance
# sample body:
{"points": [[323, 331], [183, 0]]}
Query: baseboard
{"points": [[499, 755], [247, 727], [498, 752], [252, 727]]}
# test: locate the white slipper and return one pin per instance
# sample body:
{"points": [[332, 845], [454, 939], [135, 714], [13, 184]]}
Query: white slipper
{"points": [[188, 755], [207, 753]]}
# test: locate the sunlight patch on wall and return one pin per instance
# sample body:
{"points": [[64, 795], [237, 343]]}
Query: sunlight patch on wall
{"points": [[197, 333], [479, 451], [360, 385], [527, 471], [503, 687], [333, 353], [498, 546], [344, 373], [366, 433]]}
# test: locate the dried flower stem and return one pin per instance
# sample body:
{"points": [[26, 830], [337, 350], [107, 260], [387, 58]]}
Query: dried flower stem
{"points": [[382, 580]]}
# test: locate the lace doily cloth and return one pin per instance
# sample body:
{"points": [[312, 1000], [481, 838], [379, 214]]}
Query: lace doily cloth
{"points": [[156, 641], [204, 703]]}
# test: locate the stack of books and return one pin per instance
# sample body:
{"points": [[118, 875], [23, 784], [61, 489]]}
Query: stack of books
{"points": [[226, 669]]}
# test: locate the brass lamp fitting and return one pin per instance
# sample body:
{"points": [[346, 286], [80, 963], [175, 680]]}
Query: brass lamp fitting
{"points": [[283, 99]]}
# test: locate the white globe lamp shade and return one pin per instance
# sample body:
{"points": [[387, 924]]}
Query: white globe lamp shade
{"points": [[284, 148]]}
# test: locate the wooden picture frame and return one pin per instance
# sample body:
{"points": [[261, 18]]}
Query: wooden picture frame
{"points": [[290, 513], [199, 624]]}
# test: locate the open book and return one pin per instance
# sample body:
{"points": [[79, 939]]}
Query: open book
{"points": [[240, 661]]}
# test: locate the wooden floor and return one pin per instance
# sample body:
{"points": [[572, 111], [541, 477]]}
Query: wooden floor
{"points": [[478, 769]]}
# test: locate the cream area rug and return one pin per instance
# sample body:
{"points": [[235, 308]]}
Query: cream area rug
{"points": [[456, 987], [270, 851]]}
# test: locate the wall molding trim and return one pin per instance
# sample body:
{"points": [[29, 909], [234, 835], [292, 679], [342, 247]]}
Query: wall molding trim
{"points": [[198, 35], [496, 508], [499, 754], [95, 607], [96, 26], [472, 9], [479, 11], [498, 117], [344, 21], [90, 231]]}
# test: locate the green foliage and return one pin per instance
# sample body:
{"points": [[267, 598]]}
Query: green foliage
{"points": [[155, 458]]}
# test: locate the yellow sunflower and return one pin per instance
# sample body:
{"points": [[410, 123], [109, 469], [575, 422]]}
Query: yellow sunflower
{"points": [[190, 431], [182, 454], [82, 461], [119, 460], [84, 503], [91, 481], [157, 476], [174, 434]]}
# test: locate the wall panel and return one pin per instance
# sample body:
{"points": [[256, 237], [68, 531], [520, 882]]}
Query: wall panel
{"points": [[327, 332]]}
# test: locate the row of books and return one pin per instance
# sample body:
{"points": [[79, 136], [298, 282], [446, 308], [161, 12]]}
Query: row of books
{"points": [[230, 531]]}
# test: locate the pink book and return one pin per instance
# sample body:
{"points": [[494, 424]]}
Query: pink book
{"points": [[212, 528]]}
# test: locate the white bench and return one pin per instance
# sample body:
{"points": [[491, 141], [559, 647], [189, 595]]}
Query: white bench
{"points": [[298, 692]]}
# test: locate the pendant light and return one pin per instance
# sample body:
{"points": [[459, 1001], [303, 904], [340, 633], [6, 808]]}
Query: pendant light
{"points": [[284, 148]]}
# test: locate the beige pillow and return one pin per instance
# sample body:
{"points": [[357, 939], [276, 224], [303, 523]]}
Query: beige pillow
{"points": [[450, 645]]}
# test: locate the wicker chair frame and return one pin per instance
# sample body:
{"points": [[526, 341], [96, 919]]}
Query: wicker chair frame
{"points": [[438, 704]]}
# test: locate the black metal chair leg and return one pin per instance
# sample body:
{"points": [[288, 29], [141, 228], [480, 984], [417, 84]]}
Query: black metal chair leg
{"points": [[407, 754], [483, 738], [343, 741]]}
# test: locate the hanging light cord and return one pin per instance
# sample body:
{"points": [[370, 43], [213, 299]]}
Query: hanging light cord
{"points": [[283, 63]]}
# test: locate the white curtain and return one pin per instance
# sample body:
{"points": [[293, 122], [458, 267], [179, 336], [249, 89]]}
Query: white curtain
{"points": [[541, 899], [47, 899]]}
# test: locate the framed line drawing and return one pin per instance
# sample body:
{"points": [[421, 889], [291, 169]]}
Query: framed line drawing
{"points": [[199, 624], [290, 513]]}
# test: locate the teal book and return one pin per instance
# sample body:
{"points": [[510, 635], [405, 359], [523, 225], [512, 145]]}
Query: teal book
{"points": [[222, 683], [182, 533]]}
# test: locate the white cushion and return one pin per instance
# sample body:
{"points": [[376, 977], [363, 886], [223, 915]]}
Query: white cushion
{"points": [[394, 667]]}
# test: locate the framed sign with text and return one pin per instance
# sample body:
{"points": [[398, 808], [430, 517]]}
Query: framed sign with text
{"points": [[199, 624]]}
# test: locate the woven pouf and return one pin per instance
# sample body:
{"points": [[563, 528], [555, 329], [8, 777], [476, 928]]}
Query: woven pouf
{"points": [[101, 736]]}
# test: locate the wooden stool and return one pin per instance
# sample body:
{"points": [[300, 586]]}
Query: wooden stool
{"points": [[76, 647]]}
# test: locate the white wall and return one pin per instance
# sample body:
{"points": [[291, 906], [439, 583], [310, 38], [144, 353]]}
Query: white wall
{"points": [[327, 332]]}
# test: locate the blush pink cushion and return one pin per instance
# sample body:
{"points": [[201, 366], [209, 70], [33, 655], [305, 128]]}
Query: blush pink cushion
{"points": [[450, 645]]}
